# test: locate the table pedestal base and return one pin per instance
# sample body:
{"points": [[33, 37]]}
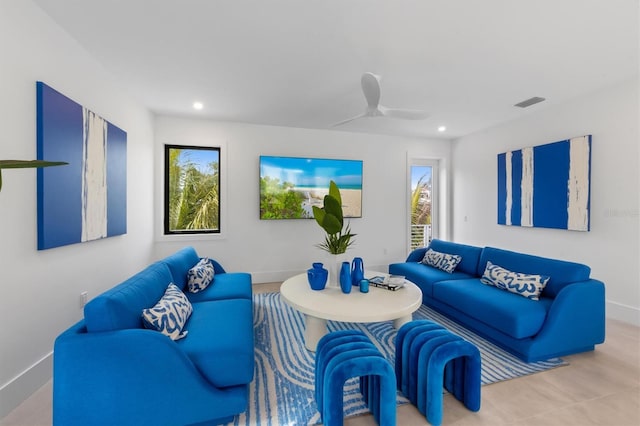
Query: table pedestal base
{"points": [[315, 328]]}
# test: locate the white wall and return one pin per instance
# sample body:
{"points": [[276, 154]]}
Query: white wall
{"points": [[611, 248], [274, 250], [40, 289]]}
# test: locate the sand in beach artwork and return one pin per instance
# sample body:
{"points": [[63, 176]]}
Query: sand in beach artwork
{"points": [[290, 186]]}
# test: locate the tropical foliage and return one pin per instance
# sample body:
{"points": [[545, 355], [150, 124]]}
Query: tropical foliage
{"points": [[194, 195], [420, 210], [330, 218], [277, 201]]}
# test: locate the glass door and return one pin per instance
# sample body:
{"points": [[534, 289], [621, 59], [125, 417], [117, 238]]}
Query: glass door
{"points": [[422, 199]]}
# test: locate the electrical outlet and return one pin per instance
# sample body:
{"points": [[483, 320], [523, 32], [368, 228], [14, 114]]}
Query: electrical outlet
{"points": [[84, 298]]}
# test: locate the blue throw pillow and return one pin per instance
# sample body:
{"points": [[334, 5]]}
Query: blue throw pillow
{"points": [[526, 285], [444, 261], [170, 314], [200, 276]]}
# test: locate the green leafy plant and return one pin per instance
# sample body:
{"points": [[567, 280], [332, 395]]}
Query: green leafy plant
{"points": [[330, 218], [26, 164]]}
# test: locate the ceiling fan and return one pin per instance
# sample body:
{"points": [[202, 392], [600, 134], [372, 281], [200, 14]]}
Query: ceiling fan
{"points": [[371, 89]]}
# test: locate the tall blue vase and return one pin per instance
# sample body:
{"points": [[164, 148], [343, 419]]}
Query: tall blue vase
{"points": [[357, 271], [345, 277]]}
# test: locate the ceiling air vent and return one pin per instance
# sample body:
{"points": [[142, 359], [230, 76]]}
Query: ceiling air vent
{"points": [[529, 102]]}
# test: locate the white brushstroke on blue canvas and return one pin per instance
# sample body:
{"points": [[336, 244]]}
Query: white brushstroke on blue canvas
{"points": [[509, 189], [94, 177], [578, 185], [526, 185]]}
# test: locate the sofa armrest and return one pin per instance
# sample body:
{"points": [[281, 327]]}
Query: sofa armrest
{"points": [[416, 255], [132, 376], [575, 321]]}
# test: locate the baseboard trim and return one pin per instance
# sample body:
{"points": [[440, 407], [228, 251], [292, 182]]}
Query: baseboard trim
{"points": [[25, 384], [625, 313]]}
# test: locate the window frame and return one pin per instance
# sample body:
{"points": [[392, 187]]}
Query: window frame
{"points": [[166, 232]]}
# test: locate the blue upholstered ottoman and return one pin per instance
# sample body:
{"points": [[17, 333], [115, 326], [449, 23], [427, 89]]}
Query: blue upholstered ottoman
{"points": [[428, 358], [344, 354]]}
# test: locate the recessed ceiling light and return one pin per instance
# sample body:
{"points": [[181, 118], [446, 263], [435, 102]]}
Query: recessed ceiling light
{"points": [[198, 105], [442, 128]]}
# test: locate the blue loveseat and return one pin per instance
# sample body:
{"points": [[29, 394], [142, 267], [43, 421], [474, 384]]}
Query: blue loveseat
{"points": [[568, 318], [110, 370]]}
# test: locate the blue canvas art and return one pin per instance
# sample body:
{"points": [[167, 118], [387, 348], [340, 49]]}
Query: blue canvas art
{"points": [[546, 186], [86, 199]]}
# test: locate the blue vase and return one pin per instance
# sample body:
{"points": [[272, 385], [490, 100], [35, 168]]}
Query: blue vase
{"points": [[317, 276], [357, 271], [345, 277]]}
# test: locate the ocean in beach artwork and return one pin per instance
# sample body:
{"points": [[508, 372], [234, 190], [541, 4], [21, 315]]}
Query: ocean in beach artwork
{"points": [[290, 186]]}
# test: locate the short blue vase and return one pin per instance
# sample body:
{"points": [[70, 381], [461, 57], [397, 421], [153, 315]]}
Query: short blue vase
{"points": [[317, 276], [345, 277]]}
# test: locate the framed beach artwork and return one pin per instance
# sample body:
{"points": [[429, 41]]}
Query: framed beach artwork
{"points": [[290, 186], [546, 186], [87, 199]]}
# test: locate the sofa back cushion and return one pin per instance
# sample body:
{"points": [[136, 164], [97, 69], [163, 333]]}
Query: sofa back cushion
{"points": [[121, 307], [560, 272], [181, 261], [470, 254]]}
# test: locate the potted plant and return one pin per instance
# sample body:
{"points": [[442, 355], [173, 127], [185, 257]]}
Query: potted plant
{"points": [[24, 164], [339, 237]]}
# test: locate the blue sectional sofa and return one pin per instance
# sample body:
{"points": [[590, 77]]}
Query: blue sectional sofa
{"points": [[568, 318], [108, 369]]}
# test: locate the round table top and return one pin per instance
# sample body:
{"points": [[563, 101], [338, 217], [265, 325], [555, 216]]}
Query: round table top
{"points": [[331, 303]]}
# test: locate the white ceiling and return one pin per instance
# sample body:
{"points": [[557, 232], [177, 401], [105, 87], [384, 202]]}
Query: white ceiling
{"points": [[298, 63]]}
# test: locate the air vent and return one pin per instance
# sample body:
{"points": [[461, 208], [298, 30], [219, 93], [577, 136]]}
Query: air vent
{"points": [[529, 102]]}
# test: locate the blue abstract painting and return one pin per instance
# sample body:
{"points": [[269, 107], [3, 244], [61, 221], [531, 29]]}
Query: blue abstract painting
{"points": [[87, 199], [546, 186]]}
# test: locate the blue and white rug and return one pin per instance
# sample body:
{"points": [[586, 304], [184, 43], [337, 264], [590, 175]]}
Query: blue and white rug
{"points": [[282, 392]]}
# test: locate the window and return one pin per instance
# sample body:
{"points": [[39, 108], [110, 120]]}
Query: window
{"points": [[423, 201], [191, 190]]}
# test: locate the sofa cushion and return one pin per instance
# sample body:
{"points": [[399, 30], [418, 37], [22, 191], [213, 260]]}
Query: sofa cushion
{"points": [[200, 276], [560, 272], [170, 314], [509, 313], [233, 285], [120, 307], [424, 276], [470, 254], [181, 261], [525, 285], [220, 341], [443, 261]]}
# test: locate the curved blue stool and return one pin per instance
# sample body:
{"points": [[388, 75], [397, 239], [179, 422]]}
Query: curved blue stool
{"points": [[324, 366], [466, 388], [405, 337], [421, 348], [345, 354], [384, 397]]}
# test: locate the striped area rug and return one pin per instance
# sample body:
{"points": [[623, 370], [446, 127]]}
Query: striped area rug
{"points": [[282, 392]]}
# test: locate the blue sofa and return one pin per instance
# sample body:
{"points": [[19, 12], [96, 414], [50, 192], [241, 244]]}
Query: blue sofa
{"points": [[568, 318], [109, 370]]}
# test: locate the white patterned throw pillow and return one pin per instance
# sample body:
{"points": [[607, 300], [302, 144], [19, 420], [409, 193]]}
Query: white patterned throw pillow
{"points": [[170, 314], [526, 285], [444, 261], [200, 276]]}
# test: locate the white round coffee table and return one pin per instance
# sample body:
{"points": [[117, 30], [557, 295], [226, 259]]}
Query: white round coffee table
{"points": [[378, 304]]}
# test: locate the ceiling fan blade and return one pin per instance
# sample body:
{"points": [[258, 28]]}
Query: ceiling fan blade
{"points": [[340, 123], [406, 114], [371, 89]]}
